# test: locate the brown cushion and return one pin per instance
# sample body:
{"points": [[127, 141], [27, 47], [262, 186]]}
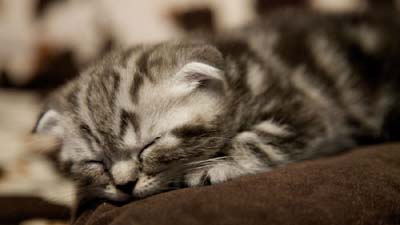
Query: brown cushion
{"points": [[15, 209], [359, 187]]}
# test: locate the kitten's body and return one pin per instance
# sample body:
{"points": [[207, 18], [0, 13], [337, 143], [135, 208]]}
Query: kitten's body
{"points": [[296, 86]]}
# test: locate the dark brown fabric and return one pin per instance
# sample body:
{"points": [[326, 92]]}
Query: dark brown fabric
{"points": [[360, 187], [15, 209]]}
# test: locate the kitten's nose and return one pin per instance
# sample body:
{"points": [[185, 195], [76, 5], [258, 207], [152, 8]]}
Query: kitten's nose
{"points": [[127, 188]]}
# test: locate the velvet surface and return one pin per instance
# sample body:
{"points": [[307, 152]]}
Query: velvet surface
{"points": [[358, 187]]}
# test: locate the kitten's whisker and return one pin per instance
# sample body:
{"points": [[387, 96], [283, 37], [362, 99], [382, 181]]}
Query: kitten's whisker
{"points": [[202, 165], [212, 160]]}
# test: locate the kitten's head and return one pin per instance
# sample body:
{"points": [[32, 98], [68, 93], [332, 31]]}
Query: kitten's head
{"points": [[138, 121]]}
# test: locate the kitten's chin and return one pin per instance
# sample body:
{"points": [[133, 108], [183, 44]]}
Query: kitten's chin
{"points": [[146, 186], [113, 194], [145, 193]]}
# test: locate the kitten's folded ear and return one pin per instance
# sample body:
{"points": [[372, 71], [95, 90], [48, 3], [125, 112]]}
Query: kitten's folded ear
{"points": [[195, 75], [204, 69], [47, 133], [49, 124]]}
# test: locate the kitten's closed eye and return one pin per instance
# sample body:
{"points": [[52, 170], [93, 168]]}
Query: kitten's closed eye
{"points": [[89, 168], [94, 162], [97, 164], [140, 155]]}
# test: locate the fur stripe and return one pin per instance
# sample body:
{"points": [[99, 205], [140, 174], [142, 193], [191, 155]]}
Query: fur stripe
{"points": [[256, 76], [116, 86], [127, 56], [252, 139], [126, 119], [135, 87], [88, 136], [190, 131], [142, 64], [72, 97], [142, 61]]}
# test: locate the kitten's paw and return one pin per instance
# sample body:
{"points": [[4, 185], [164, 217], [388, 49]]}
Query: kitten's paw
{"points": [[217, 173]]}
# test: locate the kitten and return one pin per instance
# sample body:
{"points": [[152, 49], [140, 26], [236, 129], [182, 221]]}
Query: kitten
{"points": [[296, 86]]}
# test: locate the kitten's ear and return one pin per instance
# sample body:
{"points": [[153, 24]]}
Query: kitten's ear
{"points": [[46, 138], [197, 74], [49, 124]]}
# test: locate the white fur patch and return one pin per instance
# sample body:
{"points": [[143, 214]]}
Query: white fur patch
{"points": [[169, 141], [255, 79], [194, 178], [225, 171], [129, 138], [123, 172], [271, 127]]}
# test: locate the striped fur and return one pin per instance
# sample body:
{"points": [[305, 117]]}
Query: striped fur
{"points": [[297, 86]]}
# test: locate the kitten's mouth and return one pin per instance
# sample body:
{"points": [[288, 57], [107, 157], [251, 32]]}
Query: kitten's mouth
{"points": [[171, 186], [177, 185]]}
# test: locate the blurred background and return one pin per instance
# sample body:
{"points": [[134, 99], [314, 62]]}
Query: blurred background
{"points": [[44, 43]]}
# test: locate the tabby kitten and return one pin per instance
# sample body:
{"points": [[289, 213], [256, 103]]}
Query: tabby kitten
{"points": [[296, 86]]}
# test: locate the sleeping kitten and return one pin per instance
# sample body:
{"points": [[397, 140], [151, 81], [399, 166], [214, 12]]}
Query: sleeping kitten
{"points": [[203, 111]]}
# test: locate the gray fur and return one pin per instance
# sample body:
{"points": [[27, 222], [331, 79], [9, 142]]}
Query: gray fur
{"points": [[297, 86]]}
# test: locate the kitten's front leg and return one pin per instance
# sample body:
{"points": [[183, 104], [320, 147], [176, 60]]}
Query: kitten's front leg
{"points": [[250, 153]]}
